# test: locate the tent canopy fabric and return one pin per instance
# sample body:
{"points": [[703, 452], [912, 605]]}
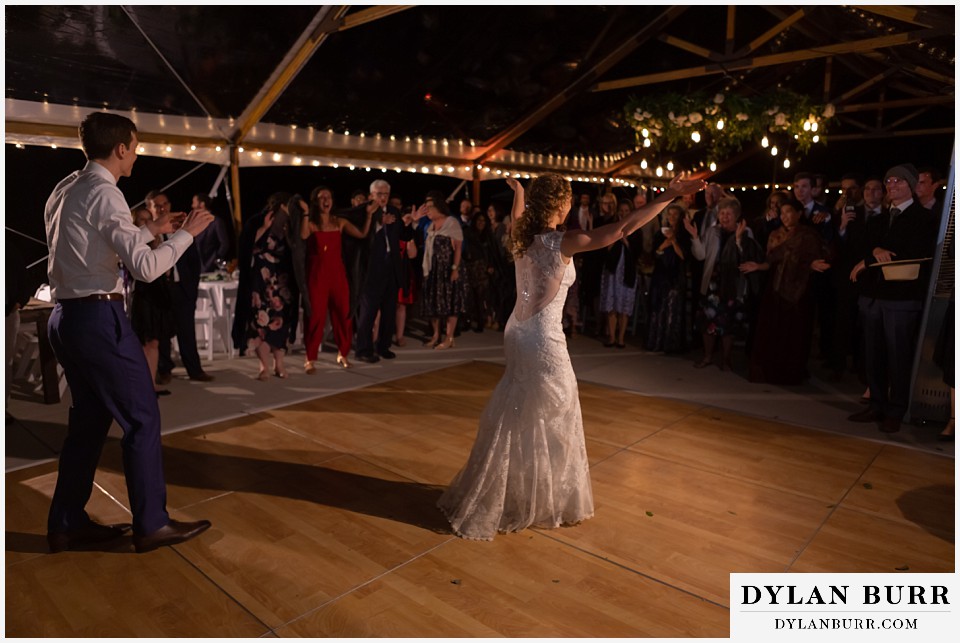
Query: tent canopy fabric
{"points": [[443, 89]]}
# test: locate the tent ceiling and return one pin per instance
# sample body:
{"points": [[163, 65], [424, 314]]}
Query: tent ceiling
{"points": [[472, 73]]}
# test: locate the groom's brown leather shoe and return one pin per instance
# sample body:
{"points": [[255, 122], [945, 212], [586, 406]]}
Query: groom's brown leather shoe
{"points": [[172, 533], [89, 534]]}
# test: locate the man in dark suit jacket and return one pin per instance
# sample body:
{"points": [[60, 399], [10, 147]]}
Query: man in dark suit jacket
{"points": [[891, 310], [186, 278], [381, 281]]}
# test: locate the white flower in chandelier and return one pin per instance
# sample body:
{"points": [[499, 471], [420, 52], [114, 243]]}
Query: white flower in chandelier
{"points": [[712, 110], [718, 99], [638, 115], [742, 117], [829, 110], [780, 119], [773, 110], [696, 117], [681, 120], [672, 117], [655, 132]]}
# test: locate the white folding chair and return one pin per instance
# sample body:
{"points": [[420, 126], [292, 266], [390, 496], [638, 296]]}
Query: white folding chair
{"points": [[203, 318]]}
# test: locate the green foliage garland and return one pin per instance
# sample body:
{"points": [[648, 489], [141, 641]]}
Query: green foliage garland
{"points": [[669, 121]]}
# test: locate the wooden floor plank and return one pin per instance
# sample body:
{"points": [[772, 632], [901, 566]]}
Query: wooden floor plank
{"points": [[521, 585], [855, 542], [325, 523], [689, 527]]}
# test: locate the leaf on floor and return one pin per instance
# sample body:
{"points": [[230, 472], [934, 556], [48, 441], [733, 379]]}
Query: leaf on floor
{"points": [[649, 513], [455, 581], [867, 485]]}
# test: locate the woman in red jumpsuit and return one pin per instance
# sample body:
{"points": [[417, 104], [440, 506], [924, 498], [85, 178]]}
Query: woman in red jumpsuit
{"points": [[327, 276]]}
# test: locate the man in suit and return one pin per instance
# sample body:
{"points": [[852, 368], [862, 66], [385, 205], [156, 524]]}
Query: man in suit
{"points": [[891, 310], [824, 292], [215, 242], [89, 227], [186, 278], [381, 281]]}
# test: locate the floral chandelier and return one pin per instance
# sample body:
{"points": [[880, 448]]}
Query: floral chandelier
{"points": [[719, 125]]}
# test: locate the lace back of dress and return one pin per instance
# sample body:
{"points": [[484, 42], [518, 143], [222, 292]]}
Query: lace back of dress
{"points": [[539, 273]]}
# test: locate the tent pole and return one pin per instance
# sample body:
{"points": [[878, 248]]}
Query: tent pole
{"points": [[476, 186], [235, 185]]}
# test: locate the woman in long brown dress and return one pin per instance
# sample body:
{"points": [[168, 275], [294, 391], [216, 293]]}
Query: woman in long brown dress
{"points": [[785, 320]]}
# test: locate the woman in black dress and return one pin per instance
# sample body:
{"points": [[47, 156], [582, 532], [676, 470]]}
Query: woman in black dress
{"points": [[151, 310]]}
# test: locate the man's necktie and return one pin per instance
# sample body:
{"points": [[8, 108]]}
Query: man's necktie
{"points": [[893, 215]]}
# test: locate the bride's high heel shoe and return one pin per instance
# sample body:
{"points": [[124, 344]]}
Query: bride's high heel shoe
{"points": [[342, 361], [445, 344]]}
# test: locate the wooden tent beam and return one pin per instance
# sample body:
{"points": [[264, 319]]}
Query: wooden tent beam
{"points": [[680, 43], [864, 86], [364, 16], [909, 117], [869, 44], [938, 131], [582, 83], [772, 33], [891, 104], [299, 55], [912, 15], [731, 28]]}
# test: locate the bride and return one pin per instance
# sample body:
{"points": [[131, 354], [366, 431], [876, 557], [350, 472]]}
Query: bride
{"points": [[528, 466]]}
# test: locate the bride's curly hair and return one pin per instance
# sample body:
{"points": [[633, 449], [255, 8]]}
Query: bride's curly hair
{"points": [[545, 197]]}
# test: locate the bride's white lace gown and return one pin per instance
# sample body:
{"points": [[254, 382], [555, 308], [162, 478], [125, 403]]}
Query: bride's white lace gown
{"points": [[528, 466]]}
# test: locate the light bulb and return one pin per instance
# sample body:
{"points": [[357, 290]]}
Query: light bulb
{"points": [[669, 166], [814, 126], [713, 166], [816, 138], [720, 124], [645, 132], [696, 137], [765, 142], [643, 164], [646, 142], [786, 163], [659, 171], [773, 151], [806, 126]]}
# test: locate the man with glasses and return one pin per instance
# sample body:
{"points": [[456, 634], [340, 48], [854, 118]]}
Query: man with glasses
{"points": [[186, 287], [891, 308], [379, 286]]}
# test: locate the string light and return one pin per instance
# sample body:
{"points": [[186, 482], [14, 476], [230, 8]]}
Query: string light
{"points": [[643, 164], [659, 171], [316, 164], [219, 148], [786, 163], [669, 166], [277, 157], [774, 151], [193, 148], [764, 142], [720, 124], [645, 133], [713, 166], [259, 153], [695, 136], [816, 138], [814, 126], [646, 142]]}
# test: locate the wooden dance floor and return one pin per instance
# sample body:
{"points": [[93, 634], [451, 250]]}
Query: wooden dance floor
{"points": [[324, 524]]}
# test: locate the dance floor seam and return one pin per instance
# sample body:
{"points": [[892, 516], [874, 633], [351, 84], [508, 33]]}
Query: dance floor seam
{"points": [[325, 523]]}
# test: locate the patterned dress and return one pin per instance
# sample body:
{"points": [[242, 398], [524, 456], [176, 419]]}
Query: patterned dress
{"points": [[442, 297], [270, 296]]}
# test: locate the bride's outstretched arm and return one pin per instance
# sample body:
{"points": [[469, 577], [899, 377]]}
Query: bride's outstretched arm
{"points": [[518, 203], [575, 241]]}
